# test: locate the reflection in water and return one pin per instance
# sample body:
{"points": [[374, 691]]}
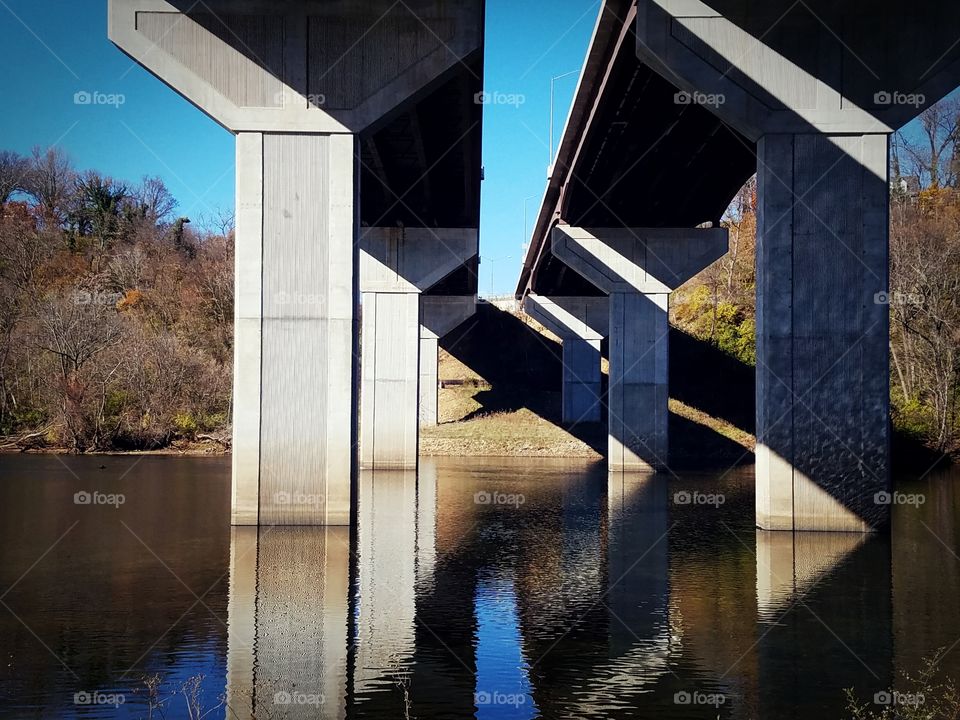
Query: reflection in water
{"points": [[512, 589], [503, 686], [287, 641]]}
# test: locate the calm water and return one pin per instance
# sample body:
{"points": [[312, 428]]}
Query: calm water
{"points": [[480, 589]]}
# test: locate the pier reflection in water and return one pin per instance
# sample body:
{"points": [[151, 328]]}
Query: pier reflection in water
{"points": [[477, 589], [512, 591]]}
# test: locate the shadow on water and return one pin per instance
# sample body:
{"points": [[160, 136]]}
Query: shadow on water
{"points": [[474, 589]]}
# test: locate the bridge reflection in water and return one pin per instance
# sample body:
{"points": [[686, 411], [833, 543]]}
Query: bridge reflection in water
{"points": [[547, 591]]}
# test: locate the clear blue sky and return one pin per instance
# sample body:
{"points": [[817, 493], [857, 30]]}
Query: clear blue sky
{"points": [[51, 49]]}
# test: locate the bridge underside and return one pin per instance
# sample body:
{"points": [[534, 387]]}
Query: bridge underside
{"points": [[679, 103]]}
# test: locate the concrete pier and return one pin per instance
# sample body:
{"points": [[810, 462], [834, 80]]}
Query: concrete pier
{"points": [[396, 265], [294, 82], [638, 268], [822, 361], [820, 113], [581, 324]]}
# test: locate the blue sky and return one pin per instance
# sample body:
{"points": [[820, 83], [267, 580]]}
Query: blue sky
{"points": [[52, 49]]}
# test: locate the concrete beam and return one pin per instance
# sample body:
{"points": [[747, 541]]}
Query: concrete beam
{"points": [[845, 77], [412, 259], [439, 315], [581, 324], [645, 260], [251, 67], [638, 268]]}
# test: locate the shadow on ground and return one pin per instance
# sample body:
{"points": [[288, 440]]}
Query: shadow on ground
{"points": [[523, 369]]}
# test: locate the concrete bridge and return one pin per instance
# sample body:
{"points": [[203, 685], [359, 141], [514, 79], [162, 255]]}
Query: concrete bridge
{"points": [[679, 103], [358, 173]]}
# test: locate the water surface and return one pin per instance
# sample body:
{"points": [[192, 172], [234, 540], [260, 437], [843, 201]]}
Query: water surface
{"points": [[480, 588]]}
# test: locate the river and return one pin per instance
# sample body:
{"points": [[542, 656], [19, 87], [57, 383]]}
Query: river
{"points": [[479, 588]]}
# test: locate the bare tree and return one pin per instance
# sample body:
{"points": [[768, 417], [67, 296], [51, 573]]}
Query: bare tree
{"points": [[50, 182], [154, 201], [13, 174], [75, 329], [933, 153]]}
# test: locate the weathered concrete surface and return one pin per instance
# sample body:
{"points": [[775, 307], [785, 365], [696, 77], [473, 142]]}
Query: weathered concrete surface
{"points": [[581, 324], [389, 377], [822, 359], [293, 414], [638, 268], [318, 66]]}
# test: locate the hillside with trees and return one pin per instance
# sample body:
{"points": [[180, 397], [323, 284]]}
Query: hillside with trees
{"points": [[116, 314], [116, 317]]}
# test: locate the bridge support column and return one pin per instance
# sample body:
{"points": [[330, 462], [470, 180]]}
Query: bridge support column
{"points": [[823, 402], [293, 409], [439, 315], [580, 323], [429, 380], [638, 268], [396, 265], [820, 112], [389, 380], [293, 81]]}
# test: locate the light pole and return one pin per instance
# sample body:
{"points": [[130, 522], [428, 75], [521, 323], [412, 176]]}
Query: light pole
{"points": [[525, 236], [493, 262], [552, 81]]}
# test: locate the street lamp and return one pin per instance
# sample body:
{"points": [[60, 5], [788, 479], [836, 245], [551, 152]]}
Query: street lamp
{"points": [[493, 262], [525, 236], [552, 81]]}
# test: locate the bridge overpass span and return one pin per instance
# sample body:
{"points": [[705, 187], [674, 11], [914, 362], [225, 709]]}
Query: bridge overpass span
{"points": [[679, 103]]}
